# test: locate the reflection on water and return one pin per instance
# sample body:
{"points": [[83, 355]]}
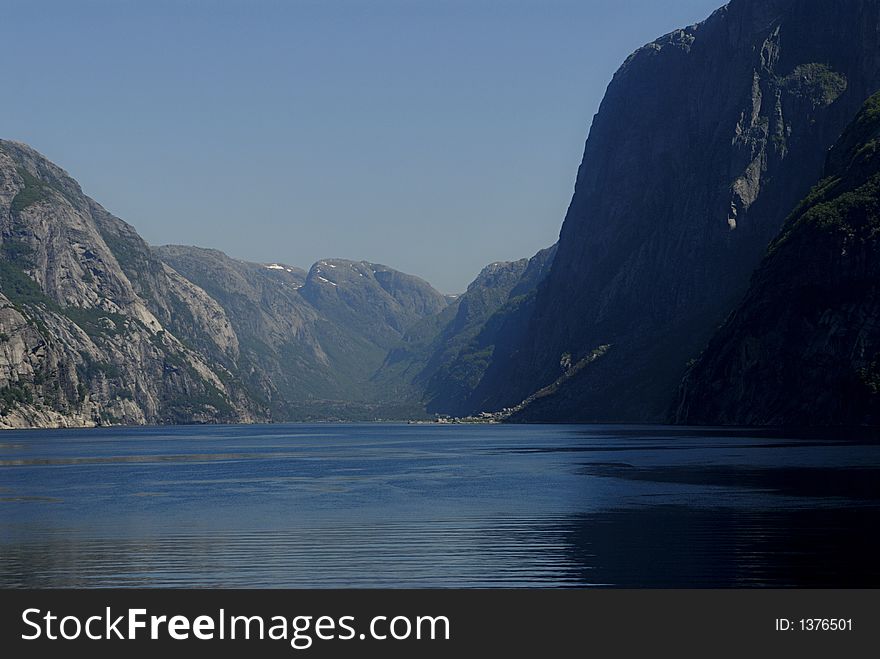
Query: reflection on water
{"points": [[508, 553], [409, 506]]}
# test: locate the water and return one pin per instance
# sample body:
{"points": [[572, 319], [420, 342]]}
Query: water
{"points": [[408, 505]]}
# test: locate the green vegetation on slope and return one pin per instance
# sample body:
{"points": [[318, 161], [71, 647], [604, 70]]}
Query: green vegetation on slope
{"points": [[846, 200], [34, 191], [804, 345]]}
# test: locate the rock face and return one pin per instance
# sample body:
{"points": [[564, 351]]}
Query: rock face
{"points": [[442, 359], [311, 343], [705, 140], [90, 320], [803, 347]]}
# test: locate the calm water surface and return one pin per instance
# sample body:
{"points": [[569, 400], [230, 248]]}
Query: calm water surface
{"points": [[406, 506]]}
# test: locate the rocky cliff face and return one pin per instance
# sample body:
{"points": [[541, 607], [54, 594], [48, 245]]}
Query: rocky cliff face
{"points": [[89, 319], [803, 347], [443, 358], [704, 141]]}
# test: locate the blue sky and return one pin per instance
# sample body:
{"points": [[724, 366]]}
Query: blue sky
{"points": [[434, 136]]}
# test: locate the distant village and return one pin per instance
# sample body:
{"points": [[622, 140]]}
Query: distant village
{"points": [[482, 417]]}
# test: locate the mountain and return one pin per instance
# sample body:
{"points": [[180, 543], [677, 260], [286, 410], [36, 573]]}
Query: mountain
{"points": [[705, 140], [382, 303], [444, 357], [97, 327], [91, 322], [311, 342], [803, 347], [279, 357]]}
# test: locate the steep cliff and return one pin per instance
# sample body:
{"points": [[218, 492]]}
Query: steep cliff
{"points": [[89, 319], [462, 351], [705, 140], [803, 347]]}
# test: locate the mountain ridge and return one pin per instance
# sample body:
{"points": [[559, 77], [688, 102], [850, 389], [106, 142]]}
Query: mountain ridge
{"points": [[98, 328]]}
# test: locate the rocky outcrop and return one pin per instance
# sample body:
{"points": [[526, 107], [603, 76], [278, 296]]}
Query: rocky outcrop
{"points": [[705, 140], [803, 347], [87, 331]]}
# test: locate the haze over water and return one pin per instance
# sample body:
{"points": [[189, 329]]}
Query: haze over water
{"points": [[415, 505]]}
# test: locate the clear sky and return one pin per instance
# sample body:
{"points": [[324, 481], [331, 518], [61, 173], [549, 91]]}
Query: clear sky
{"points": [[434, 136]]}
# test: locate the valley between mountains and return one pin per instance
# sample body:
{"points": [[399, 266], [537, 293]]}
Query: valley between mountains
{"points": [[717, 265]]}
